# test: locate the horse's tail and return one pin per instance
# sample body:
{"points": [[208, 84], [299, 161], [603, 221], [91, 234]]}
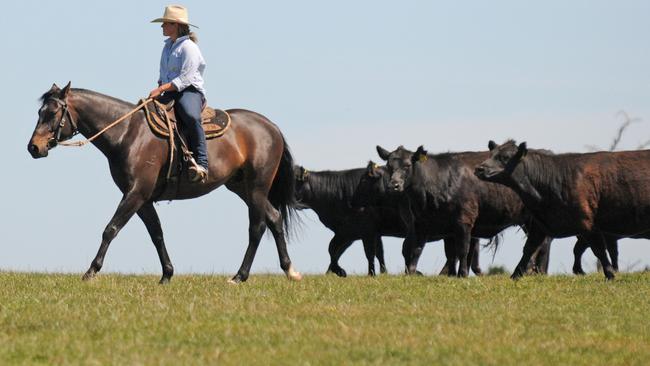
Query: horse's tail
{"points": [[282, 194]]}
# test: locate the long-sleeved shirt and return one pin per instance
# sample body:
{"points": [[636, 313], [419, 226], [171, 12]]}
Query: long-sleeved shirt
{"points": [[182, 64]]}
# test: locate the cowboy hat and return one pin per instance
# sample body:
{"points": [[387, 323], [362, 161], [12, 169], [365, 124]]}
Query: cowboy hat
{"points": [[174, 14]]}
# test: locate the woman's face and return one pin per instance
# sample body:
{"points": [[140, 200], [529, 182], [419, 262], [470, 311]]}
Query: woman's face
{"points": [[169, 29]]}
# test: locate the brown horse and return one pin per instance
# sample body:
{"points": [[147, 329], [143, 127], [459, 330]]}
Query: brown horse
{"points": [[252, 159]]}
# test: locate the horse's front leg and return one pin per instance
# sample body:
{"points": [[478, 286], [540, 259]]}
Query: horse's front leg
{"points": [[150, 218], [129, 205]]}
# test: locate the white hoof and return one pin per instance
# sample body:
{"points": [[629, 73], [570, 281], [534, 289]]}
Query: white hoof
{"points": [[293, 275]]}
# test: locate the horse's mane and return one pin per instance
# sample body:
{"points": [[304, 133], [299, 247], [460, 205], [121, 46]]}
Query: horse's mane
{"points": [[87, 92]]}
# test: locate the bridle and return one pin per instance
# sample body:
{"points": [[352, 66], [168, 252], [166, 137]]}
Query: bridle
{"points": [[56, 139]]}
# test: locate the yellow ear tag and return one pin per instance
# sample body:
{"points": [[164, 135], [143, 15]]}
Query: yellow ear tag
{"points": [[423, 157]]}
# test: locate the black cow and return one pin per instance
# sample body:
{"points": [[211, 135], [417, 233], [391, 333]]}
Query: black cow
{"points": [[447, 200], [372, 193], [330, 194], [576, 194]]}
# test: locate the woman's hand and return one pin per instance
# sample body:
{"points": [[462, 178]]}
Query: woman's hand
{"points": [[155, 93], [161, 89]]}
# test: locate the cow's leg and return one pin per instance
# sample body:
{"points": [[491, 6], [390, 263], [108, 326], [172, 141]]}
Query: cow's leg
{"points": [[463, 238], [534, 240], [599, 247], [473, 256], [379, 250], [578, 250], [129, 205], [450, 253], [337, 247], [369, 245], [416, 251], [150, 218], [543, 254]]}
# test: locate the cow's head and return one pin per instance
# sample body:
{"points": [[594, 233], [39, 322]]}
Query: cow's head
{"points": [[372, 186], [502, 161], [400, 166], [302, 192]]}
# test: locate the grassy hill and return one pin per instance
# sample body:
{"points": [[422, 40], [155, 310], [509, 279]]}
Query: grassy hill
{"points": [[118, 319]]}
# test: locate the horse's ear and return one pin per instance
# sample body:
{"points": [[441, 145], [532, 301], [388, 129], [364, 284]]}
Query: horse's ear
{"points": [[383, 153], [66, 90], [419, 155], [522, 149], [54, 88], [492, 145]]}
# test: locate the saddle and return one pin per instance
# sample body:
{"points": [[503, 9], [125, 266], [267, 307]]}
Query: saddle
{"points": [[162, 121], [215, 122]]}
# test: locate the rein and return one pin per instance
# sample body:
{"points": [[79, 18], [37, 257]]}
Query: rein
{"points": [[90, 139]]}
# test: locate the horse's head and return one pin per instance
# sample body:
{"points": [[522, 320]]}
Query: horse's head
{"points": [[55, 122], [399, 164], [502, 161]]}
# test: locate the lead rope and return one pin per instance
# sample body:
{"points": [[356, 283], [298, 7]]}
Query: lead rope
{"points": [[84, 142]]}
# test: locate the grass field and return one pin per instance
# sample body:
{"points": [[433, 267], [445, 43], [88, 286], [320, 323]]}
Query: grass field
{"points": [[124, 320]]}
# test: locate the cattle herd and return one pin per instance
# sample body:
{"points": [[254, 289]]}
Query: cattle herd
{"points": [[460, 197]]}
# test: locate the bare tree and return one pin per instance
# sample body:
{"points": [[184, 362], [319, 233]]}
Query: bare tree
{"points": [[627, 121]]}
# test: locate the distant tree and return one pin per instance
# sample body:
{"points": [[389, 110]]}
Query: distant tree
{"points": [[496, 270]]}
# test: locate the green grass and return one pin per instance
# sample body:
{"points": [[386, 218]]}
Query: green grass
{"points": [[124, 320]]}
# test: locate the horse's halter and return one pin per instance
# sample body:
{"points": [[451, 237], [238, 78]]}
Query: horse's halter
{"points": [[53, 141]]}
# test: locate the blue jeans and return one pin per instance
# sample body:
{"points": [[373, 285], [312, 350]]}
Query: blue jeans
{"points": [[188, 105]]}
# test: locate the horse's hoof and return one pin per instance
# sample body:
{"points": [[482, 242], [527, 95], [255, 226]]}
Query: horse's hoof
{"points": [[293, 275], [88, 276], [234, 281], [164, 281]]}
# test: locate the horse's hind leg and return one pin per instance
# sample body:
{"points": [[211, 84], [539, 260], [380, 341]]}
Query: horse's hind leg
{"points": [[275, 222], [150, 218], [256, 228], [612, 249], [130, 203]]}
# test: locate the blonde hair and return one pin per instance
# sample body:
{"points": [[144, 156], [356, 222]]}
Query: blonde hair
{"points": [[184, 30]]}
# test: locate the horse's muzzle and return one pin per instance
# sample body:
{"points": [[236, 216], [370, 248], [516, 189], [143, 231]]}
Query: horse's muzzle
{"points": [[36, 152]]}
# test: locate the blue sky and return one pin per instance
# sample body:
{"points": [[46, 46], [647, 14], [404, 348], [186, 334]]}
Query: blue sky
{"points": [[338, 77]]}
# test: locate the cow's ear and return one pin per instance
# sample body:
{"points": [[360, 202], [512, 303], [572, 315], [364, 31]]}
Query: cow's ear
{"points": [[372, 169], [383, 153], [492, 145], [299, 173], [66, 90], [522, 149], [419, 155]]}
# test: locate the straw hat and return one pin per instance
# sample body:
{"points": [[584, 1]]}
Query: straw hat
{"points": [[174, 14]]}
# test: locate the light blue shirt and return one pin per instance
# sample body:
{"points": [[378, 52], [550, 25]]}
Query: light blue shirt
{"points": [[182, 64]]}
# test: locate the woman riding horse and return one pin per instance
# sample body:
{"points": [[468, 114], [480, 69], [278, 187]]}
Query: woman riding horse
{"points": [[254, 162], [181, 80]]}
